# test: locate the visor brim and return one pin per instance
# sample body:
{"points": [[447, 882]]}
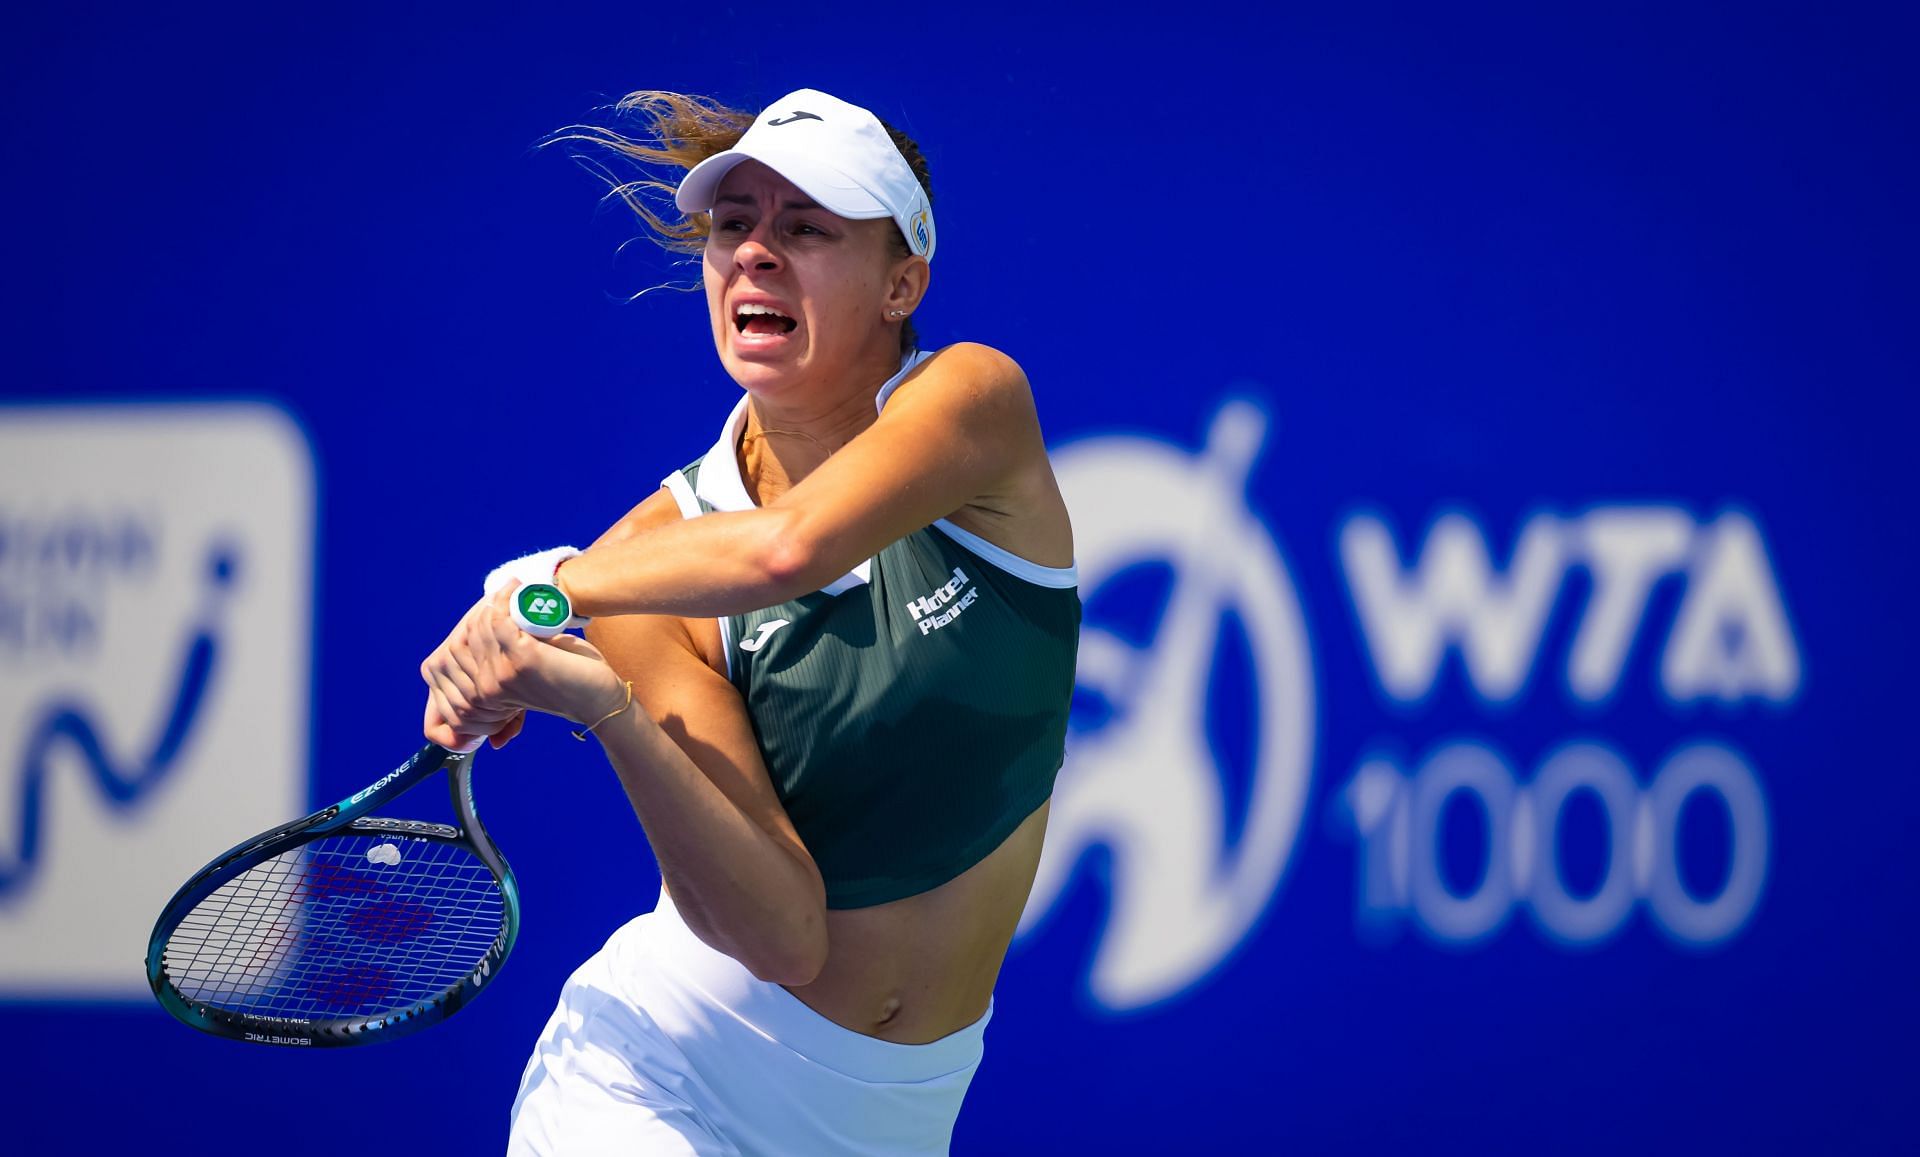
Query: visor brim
{"points": [[831, 189]]}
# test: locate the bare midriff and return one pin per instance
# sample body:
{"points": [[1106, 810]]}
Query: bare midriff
{"points": [[917, 969]]}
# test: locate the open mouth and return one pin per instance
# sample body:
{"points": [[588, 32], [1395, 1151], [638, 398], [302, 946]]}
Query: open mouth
{"points": [[761, 319]]}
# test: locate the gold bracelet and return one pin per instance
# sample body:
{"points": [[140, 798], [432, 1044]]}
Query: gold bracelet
{"points": [[581, 735]]}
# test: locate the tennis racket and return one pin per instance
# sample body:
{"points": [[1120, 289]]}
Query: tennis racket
{"points": [[343, 927]]}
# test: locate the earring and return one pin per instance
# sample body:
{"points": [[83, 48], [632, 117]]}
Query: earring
{"points": [[896, 313]]}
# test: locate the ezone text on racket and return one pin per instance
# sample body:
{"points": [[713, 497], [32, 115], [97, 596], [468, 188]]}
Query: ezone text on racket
{"points": [[363, 793]]}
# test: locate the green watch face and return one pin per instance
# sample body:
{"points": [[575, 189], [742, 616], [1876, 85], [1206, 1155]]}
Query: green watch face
{"points": [[543, 605]]}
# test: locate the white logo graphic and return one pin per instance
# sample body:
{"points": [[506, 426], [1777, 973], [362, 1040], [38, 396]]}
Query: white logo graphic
{"points": [[766, 632], [1730, 640], [1398, 818], [155, 625], [926, 609], [1146, 784]]}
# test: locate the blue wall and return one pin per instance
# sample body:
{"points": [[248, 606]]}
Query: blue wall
{"points": [[1526, 397]]}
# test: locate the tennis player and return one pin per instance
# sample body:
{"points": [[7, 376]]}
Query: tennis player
{"points": [[830, 662]]}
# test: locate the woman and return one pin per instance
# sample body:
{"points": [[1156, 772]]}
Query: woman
{"points": [[830, 662]]}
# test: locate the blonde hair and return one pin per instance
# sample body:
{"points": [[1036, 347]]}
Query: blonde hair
{"points": [[678, 131]]}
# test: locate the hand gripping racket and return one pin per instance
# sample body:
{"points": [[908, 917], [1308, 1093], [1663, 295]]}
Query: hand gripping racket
{"points": [[344, 927]]}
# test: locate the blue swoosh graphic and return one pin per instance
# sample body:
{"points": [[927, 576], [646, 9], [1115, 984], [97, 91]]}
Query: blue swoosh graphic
{"points": [[67, 723]]}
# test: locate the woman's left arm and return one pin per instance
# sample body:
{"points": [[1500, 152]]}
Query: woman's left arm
{"points": [[958, 430]]}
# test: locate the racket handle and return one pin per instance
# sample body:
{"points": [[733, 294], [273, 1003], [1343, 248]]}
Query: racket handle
{"points": [[470, 746]]}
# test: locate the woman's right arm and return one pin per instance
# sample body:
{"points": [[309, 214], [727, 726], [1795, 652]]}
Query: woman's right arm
{"points": [[691, 767], [961, 430]]}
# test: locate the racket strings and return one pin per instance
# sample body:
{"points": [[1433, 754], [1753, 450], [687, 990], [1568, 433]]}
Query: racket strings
{"points": [[352, 925]]}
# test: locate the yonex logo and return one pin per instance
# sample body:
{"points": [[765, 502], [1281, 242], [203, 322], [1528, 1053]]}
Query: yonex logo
{"points": [[798, 116], [760, 640], [544, 605]]}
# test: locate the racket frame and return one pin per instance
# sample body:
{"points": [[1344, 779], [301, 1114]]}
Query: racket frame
{"points": [[349, 815]]}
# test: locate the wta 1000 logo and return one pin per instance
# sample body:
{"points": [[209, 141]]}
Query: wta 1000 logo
{"points": [[1200, 817]]}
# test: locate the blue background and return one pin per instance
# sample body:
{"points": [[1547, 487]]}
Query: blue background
{"points": [[1501, 259]]}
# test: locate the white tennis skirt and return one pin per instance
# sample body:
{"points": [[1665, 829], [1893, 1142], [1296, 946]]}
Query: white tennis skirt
{"points": [[662, 1045]]}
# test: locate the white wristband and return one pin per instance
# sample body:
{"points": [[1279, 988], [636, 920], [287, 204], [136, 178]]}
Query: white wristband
{"points": [[531, 569]]}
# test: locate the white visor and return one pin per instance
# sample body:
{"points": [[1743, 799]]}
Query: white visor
{"points": [[836, 153]]}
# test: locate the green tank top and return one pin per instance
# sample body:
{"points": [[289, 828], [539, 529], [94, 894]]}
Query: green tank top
{"points": [[912, 712]]}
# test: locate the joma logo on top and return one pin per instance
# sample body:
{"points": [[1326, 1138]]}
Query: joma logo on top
{"points": [[1730, 639]]}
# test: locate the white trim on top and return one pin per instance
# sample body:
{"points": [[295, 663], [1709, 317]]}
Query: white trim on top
{"points": [[689, 504], [1057, 577], [683, 495], [722, 487], [720, 482], [907, 365]]}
